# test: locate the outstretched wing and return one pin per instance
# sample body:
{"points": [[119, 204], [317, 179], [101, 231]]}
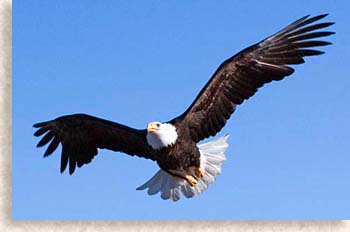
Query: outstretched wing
{"points": [[81, 135], [239, 77]]}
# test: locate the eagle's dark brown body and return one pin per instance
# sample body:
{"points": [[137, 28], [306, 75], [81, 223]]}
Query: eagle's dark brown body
{"points": [[180, 156]]}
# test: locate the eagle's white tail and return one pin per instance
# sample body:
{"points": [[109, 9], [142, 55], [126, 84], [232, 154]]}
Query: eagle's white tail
{"points": [[172, 187]]}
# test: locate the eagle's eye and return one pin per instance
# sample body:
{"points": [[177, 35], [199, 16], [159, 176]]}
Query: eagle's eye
{"points": [[158, 124]]}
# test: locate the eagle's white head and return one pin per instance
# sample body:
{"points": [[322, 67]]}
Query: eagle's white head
{"points": [[160, 135]]}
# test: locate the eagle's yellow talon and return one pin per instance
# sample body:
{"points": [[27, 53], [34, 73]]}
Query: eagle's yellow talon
{"points": [[199, 172], [191, 180]]}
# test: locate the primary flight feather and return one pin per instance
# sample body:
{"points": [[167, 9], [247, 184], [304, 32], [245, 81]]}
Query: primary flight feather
{"points": [[187, 168]]}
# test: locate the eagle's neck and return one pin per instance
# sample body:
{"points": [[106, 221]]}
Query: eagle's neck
{"points": [[164, 136]]}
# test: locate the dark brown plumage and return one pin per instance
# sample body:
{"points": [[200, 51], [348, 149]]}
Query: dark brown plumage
{"points": [[236, 79], [81, 135], [180, 156]]}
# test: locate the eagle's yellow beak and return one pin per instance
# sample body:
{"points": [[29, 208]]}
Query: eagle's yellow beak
{"points": [[152, 127]]}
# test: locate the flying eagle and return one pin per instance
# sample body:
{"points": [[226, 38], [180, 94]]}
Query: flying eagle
{"points": [[186, 167]]}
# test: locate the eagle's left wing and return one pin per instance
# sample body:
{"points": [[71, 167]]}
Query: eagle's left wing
{"points": [[81, 135], [239, 77]]}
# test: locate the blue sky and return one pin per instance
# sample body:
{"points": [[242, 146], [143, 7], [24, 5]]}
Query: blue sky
{"points": [[140, 61]]}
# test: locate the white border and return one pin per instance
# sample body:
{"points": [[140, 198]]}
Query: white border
{"points": [[6, 223]]}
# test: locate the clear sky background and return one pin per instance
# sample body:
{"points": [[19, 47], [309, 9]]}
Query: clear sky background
{"points": [[140, 61]]}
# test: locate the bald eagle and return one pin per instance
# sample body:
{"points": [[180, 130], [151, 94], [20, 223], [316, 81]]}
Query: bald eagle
{"points": [[186, 167]]}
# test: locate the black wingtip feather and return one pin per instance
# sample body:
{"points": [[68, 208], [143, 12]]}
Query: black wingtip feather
{"points": [[310, 35], [72, 165], [314, 19], [71, 169], [52, 147], [40, 124], [41, 131], [310, 52], [300, 20], [322, 15], [64, 162], [47, 138], [312, 43]]}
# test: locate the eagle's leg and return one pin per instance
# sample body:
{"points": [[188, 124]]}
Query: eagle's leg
{"points": [[191, 180]]}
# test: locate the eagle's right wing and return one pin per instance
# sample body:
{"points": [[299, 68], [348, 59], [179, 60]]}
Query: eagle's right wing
{"points": [[81, 135], [239, 77]]}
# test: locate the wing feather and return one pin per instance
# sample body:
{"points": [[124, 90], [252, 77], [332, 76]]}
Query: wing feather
{"points": [[81, 135], [239, 77]]}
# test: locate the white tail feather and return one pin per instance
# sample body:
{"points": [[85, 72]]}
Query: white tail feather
{"points": [[172, 187]]}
